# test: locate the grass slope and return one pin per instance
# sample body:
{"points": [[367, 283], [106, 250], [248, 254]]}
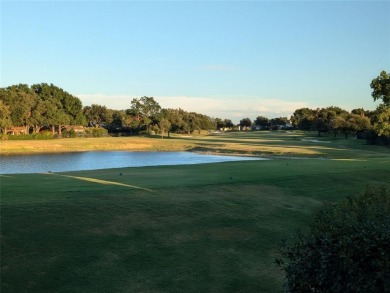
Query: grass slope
{"points": [[194, 228]]}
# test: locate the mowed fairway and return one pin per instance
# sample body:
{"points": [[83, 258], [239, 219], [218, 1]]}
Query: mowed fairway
{"points": [[191, 228]]}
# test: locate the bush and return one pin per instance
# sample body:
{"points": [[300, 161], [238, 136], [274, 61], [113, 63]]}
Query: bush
{"points": [[346, 248], [96, 132], [21, 137], [68, 134], [44, 135], [3, 136], [40, 135]]}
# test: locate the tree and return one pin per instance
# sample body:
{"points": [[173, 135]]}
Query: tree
{"points": [[344, 249], [246, 122], [146, 108], [220, 124], [96, 114], [361, 112], [303, 118], [228, 123], [262, 121], [324, 117], [381, 88], [175, 118], [60, 107], [21, 100], [5, 117], [164, 124], [349, 123], [382, 120]]}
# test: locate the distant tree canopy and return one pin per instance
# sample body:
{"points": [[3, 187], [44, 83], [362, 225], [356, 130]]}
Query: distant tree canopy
{"points": [[381, 88], [261, 121], [246, 122], [40, 105], [330, 120], [381, 117], [48, 106]]}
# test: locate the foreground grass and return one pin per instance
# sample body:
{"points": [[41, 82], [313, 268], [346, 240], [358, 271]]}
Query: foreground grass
{"points": [[198, 228]]}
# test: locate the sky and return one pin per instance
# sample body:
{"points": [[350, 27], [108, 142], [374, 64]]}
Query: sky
{"points": [[225, 59]]}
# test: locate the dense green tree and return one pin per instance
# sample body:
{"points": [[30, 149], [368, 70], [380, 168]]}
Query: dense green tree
{"points": [[228, 123], [303, 118], [69, 107], [262, 121], [5, 117], [381, 88], [245, 122], [220, 124], [96, 115], [382, 120], [164, 125], [21, 100], [324, 117], [348, 123], [147, 109], [175, 118], [205, 122], [361, 112], [345, 248], [381, 116]]}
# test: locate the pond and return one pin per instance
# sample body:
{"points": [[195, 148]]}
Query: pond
{"points": [[104, 160]]}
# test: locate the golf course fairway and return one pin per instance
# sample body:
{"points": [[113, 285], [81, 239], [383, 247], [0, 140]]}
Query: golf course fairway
{"points": [[189, 228]]}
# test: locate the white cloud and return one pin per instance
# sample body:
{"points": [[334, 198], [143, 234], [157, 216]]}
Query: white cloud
{"points": [[222, 107], [233, 108]]}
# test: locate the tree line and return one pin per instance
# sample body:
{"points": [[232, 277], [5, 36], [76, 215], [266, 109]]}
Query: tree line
{"points": [[46, 106]]}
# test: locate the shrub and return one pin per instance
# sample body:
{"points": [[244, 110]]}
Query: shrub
{"points": [[96, 132], [66, 134], [43, 135], [21, 137], [346, 248], [72, 133]]}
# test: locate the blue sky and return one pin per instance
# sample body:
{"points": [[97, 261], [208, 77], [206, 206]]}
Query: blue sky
{"points": [[227, 59]]}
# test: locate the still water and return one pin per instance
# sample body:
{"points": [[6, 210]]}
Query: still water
{"points": [[104, 160]]}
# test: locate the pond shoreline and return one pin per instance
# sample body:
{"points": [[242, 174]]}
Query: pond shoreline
{"points": [[80, 161]]}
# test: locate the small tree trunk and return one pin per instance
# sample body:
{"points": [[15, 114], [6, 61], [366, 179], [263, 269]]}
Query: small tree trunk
{"points": [[53, 129]]}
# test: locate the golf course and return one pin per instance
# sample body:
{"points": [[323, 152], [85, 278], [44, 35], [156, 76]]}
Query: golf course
{"points": [[185, 228]]}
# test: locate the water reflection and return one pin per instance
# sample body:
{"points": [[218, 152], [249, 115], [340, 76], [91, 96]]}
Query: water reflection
{"points": [[104, 160]]}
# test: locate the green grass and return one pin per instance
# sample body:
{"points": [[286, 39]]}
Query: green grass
{"points": [[194, 228]]}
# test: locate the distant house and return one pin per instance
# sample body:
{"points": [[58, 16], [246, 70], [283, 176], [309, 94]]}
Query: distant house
{"points": [[16, 130], [79, 129]]}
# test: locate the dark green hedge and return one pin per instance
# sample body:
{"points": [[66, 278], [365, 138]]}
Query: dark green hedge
{"points": [[345, 249]]}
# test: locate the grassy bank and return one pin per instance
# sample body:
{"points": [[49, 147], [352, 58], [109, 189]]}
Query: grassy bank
{"points": [[198, 228], [262, 143]]}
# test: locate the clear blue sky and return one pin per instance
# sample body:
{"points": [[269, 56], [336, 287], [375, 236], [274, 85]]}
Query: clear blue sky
{"points": [[227, 59]]}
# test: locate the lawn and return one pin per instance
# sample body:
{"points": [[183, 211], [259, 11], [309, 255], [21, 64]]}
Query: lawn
{"points": [[193, 228]]}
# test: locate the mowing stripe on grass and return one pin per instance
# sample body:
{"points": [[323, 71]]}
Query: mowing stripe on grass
{"points": [[94, 180]]}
